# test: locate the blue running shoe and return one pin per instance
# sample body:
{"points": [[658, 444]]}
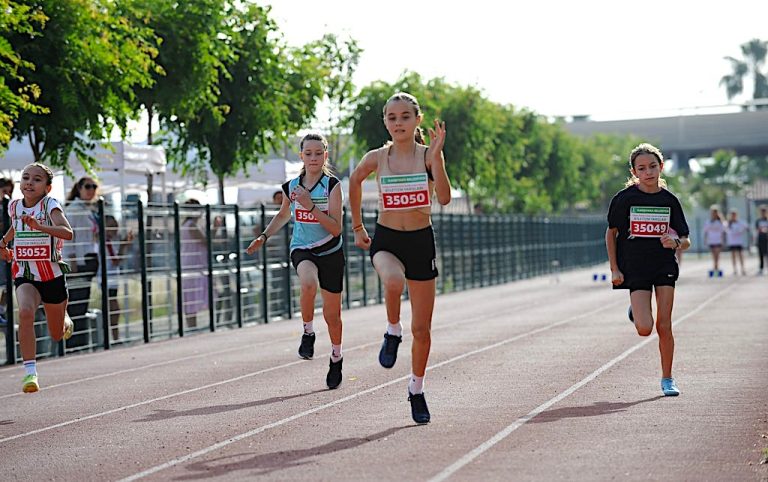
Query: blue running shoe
{"points": [[669, 387], [419, 410], [388, 352]]}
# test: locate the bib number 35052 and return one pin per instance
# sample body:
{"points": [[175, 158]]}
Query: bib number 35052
{"points": [[32, 246]]}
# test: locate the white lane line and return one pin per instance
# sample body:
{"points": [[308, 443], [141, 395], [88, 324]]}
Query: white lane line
{"points": [[152, 365], [485, 446], [237, 438]]}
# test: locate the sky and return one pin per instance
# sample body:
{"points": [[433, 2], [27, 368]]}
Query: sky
{"points": [[607, 59]]}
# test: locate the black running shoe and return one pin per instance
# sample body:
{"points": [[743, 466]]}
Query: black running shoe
{"points": [[388, 352], [419, 410], [307, 347], [333, 379], [629, 314]]}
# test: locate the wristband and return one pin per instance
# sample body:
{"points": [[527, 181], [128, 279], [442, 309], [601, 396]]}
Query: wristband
{"points": [[357, 228], [265, 236], [678, 243], [313, 207]]}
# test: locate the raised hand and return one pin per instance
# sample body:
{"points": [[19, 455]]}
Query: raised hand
{"points": [[436, 139], [303, 196], [31, 222], [255, 244]]}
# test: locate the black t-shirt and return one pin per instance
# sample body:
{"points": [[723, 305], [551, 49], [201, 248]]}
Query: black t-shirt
{"points": [[648, 252]]}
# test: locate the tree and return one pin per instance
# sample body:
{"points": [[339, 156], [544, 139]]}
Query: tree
{"points": [[267, 93], [21, 20], [754, 56], [88, 62], [191, 55], [340, 59]]}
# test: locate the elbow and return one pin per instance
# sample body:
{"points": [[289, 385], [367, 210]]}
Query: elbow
{"points": [[444, 200]]}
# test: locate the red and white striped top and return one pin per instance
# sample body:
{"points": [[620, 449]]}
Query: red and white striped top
{"points": [[37, 270]]}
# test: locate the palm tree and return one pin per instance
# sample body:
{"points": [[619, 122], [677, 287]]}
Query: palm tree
{"points": [[754, 56]]}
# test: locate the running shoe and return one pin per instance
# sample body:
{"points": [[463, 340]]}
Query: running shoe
{"points": [[388, 352], [630, 315], [69, 327], [333, 379], [669, 387], [419, 410], [29, 384], [307, 347]]}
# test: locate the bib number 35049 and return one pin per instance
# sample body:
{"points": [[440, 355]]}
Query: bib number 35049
{"points": [[648, 222]]}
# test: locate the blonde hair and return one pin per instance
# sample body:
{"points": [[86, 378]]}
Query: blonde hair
{"points": [[649, 149]]}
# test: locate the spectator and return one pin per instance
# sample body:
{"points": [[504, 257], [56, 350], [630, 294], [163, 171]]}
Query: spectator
{"points": [[6, 189], [277, 198], [194, 257], [116, 248], [82, 252]]}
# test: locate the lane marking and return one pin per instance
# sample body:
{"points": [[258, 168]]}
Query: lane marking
{"points": [[485, 446], [258, 430]]}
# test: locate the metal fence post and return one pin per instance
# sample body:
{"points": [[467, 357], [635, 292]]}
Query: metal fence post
{"points": [[238, 268], [362, 266], [346, 255], [179, 270], [264, 266], [105, 262], [10, 338], [287, 271], [143, 266], [209, 246]]}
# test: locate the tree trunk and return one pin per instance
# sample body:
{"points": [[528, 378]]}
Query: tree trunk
{"points": [[221, 189], [150, 113]]}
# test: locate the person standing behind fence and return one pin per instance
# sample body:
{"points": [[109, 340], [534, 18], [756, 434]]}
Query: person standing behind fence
{"points": [[6, 189], [403, 246], [641, 250], [194, 257], [761, 237], [38, 230], [116, 248], [736, 237], [82, 252], [714, 237], [314, 199]]}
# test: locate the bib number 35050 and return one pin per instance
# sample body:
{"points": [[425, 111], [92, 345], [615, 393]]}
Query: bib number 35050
{"points": [[404, 191]]}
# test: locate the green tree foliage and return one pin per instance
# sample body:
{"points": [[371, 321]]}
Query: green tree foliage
{"points": [[16, 19], [191, 54], [751, 65], [267, 93], [339, 59], [88, 62]]}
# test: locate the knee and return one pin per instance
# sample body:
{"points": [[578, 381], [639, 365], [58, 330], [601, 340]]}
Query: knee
{"points": [[664, 328], [332, 316], [309, 287], [27, 313], [393, 284], [421, 334]]}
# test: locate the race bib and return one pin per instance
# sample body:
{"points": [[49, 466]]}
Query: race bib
{"points": [[302, 214], [648, 222], [404, 191], [32, 246]]}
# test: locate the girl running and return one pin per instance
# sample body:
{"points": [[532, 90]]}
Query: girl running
{"points": [[736, 236], [646, 225], [714, 235], [403, 246], [761, 237], [38, 230], [314, 199]]}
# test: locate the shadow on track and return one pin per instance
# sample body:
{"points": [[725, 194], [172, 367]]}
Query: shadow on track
{"points": [[594, 410]]}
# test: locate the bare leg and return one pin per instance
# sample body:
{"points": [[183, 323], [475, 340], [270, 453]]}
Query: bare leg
{"points": [[307, 271], [392, 274], [665, 297], [422, 294], [641, 311], [332, 315], [28, 299]]}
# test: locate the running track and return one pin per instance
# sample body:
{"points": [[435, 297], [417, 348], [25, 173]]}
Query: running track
{"points": [[541, 379]]}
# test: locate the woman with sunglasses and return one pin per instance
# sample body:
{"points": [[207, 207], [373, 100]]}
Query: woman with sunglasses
{"points": [[82, 253]]}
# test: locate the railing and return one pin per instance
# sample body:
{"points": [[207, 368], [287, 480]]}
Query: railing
{"points": [[186, 271]]}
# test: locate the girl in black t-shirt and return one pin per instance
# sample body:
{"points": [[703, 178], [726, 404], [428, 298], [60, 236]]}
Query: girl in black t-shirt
{"points": [[646, 225]]}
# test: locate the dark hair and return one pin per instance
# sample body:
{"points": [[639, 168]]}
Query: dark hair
{"points": [[406, 97], [649, 149], [74, 193], [45, 168], [314, 136], [4, 181]]}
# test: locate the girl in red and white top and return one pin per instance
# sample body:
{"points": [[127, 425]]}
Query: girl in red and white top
{"points": [[33, 242]]}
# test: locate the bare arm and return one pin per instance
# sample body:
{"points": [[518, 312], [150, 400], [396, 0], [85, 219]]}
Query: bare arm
{"points": [[59, 229], [331, 221], [436, 163], [617, 277], [277, 223], [368, 165]]}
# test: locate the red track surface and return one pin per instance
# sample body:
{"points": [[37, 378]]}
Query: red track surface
{"points": [[534, 380]]}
